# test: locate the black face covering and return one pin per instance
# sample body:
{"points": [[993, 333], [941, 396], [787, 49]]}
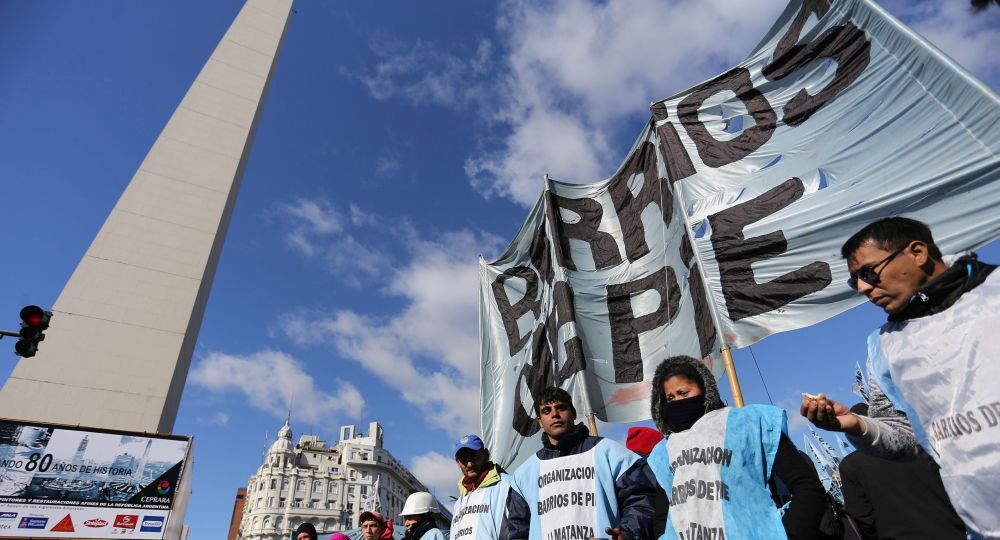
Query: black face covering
{"points": [[681, 414]]}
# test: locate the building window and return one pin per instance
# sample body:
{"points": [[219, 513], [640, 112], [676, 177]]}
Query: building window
{"points": [[274, 483], [300, 485], [350, 508], [281, 502], [364, 475], [284, 483], [270, 502], [364, 490], [267, 522], [333, 487], [317, 486], [335, 469], [315, 504], [297, 503], [353, 475]]}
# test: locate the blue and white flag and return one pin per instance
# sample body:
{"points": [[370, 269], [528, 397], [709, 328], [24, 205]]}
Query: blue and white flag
{"points": [[723, 225]]}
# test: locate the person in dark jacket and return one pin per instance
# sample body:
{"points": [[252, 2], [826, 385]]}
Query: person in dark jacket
{"points": [[716, 462], [578, 485], [932, 366], [642, 440], [897, 499]]}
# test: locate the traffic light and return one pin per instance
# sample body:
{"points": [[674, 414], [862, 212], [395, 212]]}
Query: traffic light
{"points": [[34, 322]]}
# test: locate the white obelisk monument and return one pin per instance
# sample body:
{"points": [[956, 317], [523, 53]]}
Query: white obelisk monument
{"points": [[124, 328]]}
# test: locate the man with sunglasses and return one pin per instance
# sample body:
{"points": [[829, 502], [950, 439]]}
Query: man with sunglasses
{"points": [[932, 367]]}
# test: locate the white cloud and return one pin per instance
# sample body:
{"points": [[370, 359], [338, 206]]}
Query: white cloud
{"points": [[271, 381], [429, 350], [438, 472], [954, 28], [422, 73], [318, 230], [219, 419]]}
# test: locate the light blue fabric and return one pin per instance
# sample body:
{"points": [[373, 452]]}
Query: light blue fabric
{"points": [[489, 522], [752, 433], [433, 534], [883, 377], [610, 460]]}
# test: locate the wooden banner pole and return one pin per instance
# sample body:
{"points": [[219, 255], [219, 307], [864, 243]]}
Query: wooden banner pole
{"points": [[734, 381], [592, 423]]}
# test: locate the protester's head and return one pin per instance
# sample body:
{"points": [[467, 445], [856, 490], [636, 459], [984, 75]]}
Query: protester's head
{"points": [[642, 440], [418, 508], [860, 409], [890, 260], [556, 414], [306, 531], [471, 456], [683, 391], [372, 525]]}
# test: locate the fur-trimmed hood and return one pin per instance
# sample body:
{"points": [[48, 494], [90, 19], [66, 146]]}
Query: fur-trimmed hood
{"points": [[712, 399]]}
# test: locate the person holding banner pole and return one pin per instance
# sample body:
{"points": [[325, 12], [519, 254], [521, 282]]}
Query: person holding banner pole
{"points": [[717, 462], [578, 485], [932, 366], [482, 493]]}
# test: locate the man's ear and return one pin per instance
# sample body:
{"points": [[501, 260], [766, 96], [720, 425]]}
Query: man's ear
{"points": [[921, 255]]}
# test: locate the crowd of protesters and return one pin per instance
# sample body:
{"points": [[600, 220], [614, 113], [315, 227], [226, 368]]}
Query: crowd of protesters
{"points": [[927, 463]]}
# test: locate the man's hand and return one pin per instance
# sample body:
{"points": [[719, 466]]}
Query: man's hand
{"points": [[831, 416], [616, 534]]}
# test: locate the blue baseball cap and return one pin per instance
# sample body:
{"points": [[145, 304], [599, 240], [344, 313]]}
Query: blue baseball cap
{"points": [[472, 442]]}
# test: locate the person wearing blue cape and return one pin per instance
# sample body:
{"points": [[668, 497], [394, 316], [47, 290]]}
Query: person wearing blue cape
{"points": [[716, 463]]}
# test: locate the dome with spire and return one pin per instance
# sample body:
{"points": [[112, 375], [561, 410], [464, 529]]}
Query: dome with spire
{"points": [[283, 444]]}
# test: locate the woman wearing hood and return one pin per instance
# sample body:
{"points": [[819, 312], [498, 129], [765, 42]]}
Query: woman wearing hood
{"points": [[717, 462]]}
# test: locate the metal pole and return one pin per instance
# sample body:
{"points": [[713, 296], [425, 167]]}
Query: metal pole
{"points": [[734, 381]]}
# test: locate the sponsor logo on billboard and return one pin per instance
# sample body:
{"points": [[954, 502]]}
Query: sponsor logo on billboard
{"points": [[151, 524], [65, 525], [33, 523], [96, 523], [163, 487], [126, 521], [8, 515]]}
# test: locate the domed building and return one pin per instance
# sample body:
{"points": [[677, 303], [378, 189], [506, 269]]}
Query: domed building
{"points": [[324, 485]]}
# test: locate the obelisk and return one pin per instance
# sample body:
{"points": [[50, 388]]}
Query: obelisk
{"points": [[124, 327]]}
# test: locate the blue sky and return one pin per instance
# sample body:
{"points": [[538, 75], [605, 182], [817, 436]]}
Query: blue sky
{"points": [[399, 141]]}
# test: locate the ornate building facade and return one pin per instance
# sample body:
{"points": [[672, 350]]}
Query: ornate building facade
{"points": [[324, 485]]}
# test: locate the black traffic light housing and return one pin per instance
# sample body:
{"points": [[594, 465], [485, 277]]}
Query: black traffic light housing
{"points": [[34, 322]]}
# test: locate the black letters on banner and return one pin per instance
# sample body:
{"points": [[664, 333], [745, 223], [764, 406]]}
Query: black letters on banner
{"points": [[602, 245], [510, 313], [716, 153], [679, 164], [629, 207], [626, 327], [541, 373], [735, 255], [702, 312], [847, 45]]}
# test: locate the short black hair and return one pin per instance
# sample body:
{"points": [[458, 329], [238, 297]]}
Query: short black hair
{"points": [[307, 528], [554, 394], [684, 369], [860, 409], [892, 234]]}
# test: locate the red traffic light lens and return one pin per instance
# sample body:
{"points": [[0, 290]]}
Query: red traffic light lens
{"points": [[32, 315]]}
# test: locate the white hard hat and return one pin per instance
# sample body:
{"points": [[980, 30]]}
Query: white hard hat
{"points": [[418, 503]]}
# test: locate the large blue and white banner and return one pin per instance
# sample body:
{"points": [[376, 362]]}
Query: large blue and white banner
{"points": [[723, 225]]}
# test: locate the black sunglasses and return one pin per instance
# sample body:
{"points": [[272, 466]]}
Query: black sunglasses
{"points": [[868, 273]]}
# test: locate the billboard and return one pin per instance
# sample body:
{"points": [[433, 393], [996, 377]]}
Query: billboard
{"points": [[65, 482]]}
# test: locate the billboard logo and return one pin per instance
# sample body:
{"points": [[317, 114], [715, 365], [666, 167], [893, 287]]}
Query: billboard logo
{"points": [[65, 525], [151, 524], [126, 521], [33, 523], [95, 523], [8, 515], [163, 487]]}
